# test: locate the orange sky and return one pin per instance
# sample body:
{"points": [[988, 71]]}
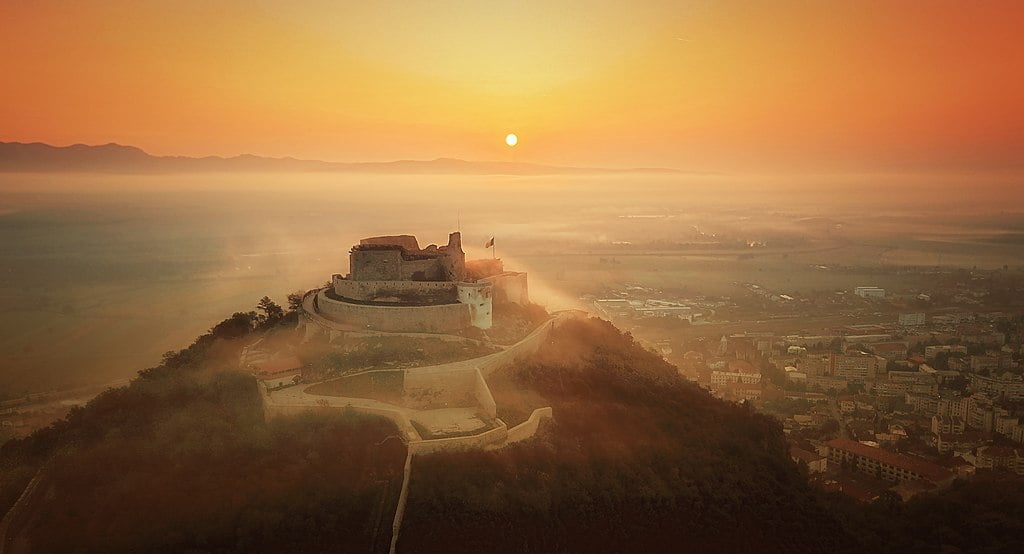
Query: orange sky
{"points": [[724, 86]]}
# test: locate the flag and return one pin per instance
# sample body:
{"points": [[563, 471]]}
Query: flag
{"points": [[490, 243]]}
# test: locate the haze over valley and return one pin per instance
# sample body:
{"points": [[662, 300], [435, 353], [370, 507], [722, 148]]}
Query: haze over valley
{"points": [[95, 263]]}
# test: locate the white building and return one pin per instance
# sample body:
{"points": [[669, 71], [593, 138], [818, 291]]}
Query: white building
{"points": [[869, 292]]}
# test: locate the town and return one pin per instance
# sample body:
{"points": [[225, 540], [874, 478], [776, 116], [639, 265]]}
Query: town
{"points": [[878, 390]]}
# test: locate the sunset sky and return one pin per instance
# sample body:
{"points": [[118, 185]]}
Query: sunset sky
{"points": [[835, 85]]}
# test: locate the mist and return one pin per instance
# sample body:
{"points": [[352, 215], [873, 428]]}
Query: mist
{"points": [[101, 274]]}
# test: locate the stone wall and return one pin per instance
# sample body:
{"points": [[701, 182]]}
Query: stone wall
{"points": [[408, 242], [396, 416], [392, 259], [510, 286], [529, 427], [482, 393], [520, 351], [396, 291], [375, 265], [491, 437], [445, 318]]}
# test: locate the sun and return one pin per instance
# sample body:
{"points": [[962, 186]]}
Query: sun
{"points": [[511, 139]]}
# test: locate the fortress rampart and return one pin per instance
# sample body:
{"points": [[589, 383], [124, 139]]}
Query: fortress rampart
{"points": [[427, 292], [393, 285], [441, 318], [509, 286]]}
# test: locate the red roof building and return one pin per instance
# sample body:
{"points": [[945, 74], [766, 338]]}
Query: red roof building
{"points": [[885, 464]]}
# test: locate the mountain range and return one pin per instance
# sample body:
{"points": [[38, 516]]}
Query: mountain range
{"points": [[38, 157]]}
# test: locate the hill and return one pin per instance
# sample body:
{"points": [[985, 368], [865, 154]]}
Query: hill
{"points": [[115, 158], [636, 459]]}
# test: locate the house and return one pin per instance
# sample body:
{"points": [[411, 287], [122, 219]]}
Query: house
{"points": [[963, 442], [816, 463]]}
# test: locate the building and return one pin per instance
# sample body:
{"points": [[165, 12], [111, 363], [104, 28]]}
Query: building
{"points": [[888, 388], [736, 371], [737, 392], [869, 292], [1001, 457], [949, 425], [931, 351], [912, 319], [393, 285], [1005, 387], [984, 363], [954, 406], [825, 383], [926, 404], [816, 463], [884, 464], [1005, 425], [981, 413], [858, 367], [735, 380], [891, 351], [963, 442], [817, 364]]}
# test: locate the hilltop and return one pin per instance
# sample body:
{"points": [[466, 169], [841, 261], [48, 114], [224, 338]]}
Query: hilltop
{"points": [[116, 158], [635, 459]]}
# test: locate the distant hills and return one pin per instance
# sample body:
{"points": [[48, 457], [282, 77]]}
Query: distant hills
{"points": [[38, 157]]}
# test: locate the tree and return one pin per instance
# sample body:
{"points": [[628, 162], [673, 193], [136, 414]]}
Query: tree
{"points": [[272, 313], [295, 301], [238, 325]]}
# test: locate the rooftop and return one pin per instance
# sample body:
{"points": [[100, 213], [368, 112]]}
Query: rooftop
{"points": [[920, 466], [806, 456]]}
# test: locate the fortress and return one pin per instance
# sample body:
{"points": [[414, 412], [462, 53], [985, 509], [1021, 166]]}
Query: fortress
{"points": [[393, 285]]}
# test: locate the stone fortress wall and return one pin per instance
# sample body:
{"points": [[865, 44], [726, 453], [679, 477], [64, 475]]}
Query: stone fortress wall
{"points": [[399, 258], [395, 291], [509, 286], [393, 285], [464, 379], [441, 318]]}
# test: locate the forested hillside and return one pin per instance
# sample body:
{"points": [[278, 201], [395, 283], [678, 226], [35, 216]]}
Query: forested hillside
{"points": [[182, 460], [636, 459]]}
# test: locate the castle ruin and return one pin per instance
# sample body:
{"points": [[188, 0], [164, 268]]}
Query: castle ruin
{"points": [[393, 285]]}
